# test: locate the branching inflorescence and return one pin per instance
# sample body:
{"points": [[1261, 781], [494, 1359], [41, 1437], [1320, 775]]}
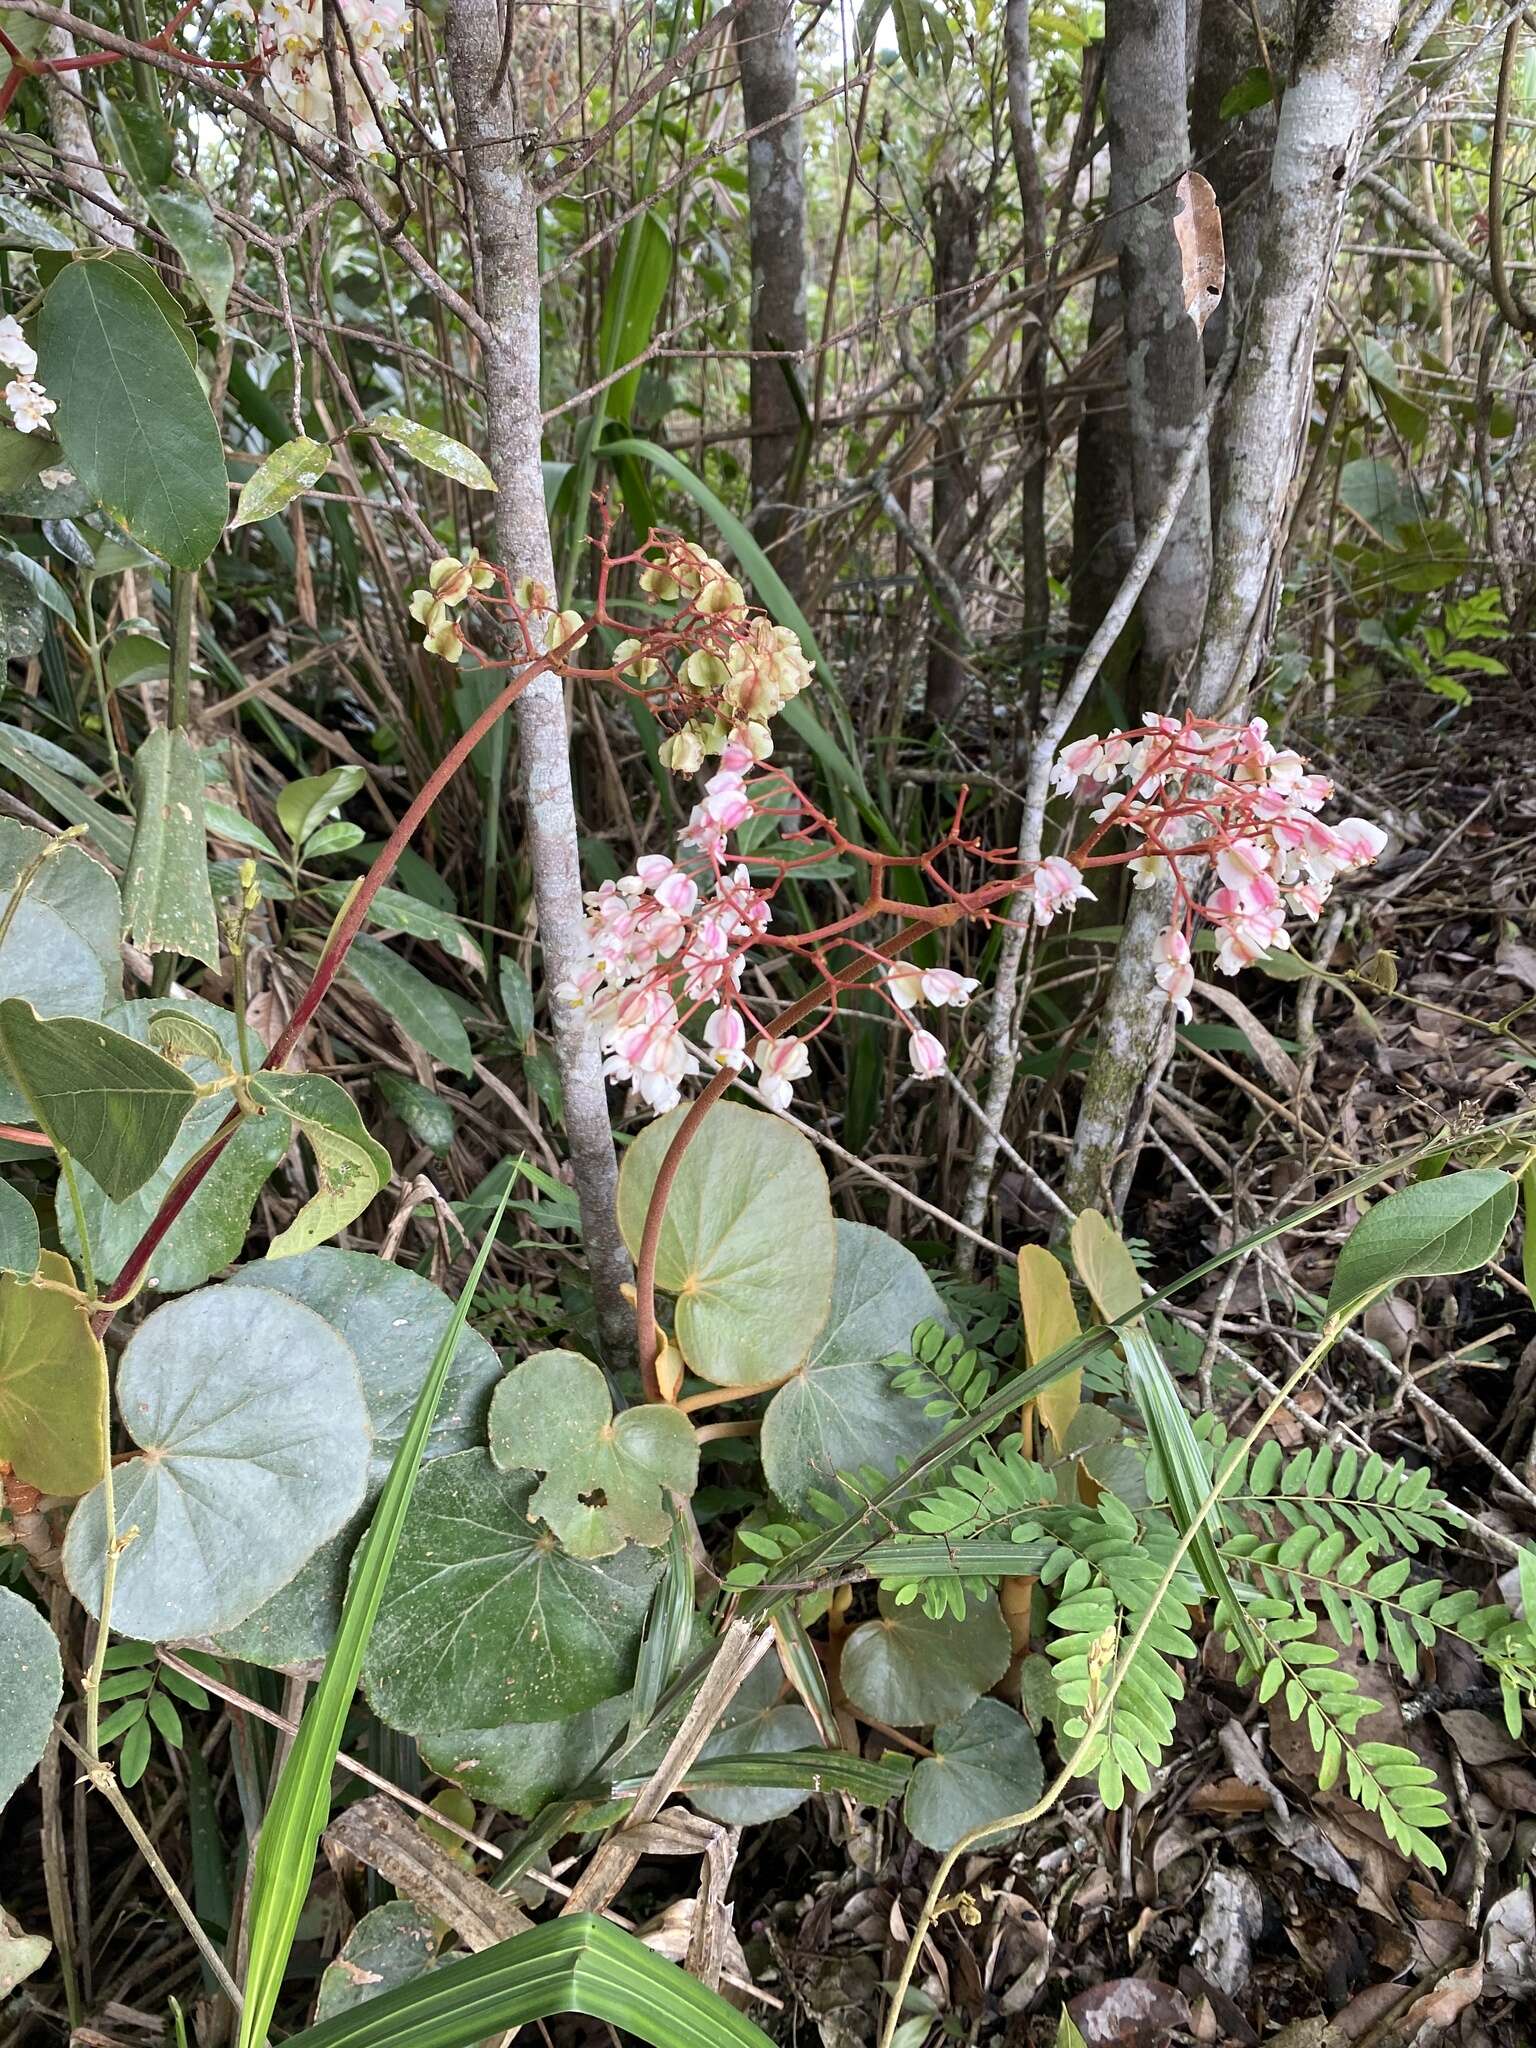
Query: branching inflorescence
{"points": [[670, 944]]}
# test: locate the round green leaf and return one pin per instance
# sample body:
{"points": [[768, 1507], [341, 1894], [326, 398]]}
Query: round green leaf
{"points": [[31, 1685], [756, 1725], [747, 1245], [53, 1382], [487, 1620], [393, 1321], [909, 1670], [1450, 1225], [211, 1230], [984, 1766], [133, 420], [523, 1767], [392, 1945], [607, 1479], [251, 1417], [840, 1411]]}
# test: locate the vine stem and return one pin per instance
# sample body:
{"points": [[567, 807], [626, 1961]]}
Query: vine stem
{"points": [[1010, 1823], [343, 932]]}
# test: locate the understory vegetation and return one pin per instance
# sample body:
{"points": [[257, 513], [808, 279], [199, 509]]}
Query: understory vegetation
{"points": [[766, 1024]]}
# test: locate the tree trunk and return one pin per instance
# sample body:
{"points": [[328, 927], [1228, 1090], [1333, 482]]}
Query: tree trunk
{"points": [[504, 205], [765, 45], [1103, 518], [1341, 46], [1026, 164], [1145, 101], [955, 210]]}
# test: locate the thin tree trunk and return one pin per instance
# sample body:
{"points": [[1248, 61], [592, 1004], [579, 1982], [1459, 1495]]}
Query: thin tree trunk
{"points": [[1145, 102], [1103, 518], [72, 137], [1341, 46], [765, 45], [955, 209], [504, 203], [1026, 164]]}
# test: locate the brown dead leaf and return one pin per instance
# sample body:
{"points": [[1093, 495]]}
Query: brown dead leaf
{"points": [[1202, 251], [1128, 2012]]}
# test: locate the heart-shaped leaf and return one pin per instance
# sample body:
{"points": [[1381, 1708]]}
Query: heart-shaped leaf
{"points": [[166, 894], [840, 1410], [53, 1382], [31, 1684], [909, 1670], [487, 1620], [607, 1478], [756, 1724], [985, 1766], [748, 1246], [350, 1167], [250, 1416], [105, 1099], [294, 467], [1450, 1225], [133, 420], [204, 1042], [394, 1321]]}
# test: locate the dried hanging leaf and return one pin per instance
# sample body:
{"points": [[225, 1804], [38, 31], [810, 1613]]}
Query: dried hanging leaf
{"points": [[1197, 229]]}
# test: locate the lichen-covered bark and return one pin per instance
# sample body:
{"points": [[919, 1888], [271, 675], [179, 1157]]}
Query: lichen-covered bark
{"points": [[1145, 101], [504, 207], [1103, 518], [1340, 49], [765, 46]]}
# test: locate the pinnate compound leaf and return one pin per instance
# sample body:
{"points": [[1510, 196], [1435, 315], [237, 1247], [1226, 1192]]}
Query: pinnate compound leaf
{"points": [[31, 1685], [985, 1766], [607, 1479], [19, 1238], [166, 894], [1450, 1225], [249, 1413], [840, 1410], [133, 420], [394, 1321], [204, 1042], [418, 1006], [748, 1245], [434, 450], [350, 1167], [108, 1101], [295, 467], [53, 1382], [910, 1670], [392, 1945], [487, 1621]]}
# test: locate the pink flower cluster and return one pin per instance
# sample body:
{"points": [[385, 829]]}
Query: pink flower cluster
{"points": [[1195, 790]]}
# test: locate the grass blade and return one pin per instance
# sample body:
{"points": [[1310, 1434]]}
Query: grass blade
{"points": [[301, 1805]]}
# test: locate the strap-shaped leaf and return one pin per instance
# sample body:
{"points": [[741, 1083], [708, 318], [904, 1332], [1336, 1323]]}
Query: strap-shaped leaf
{"points": [[576, 1965], [108, 1101]]}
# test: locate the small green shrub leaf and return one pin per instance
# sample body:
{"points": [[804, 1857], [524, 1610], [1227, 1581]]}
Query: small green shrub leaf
{"points": [[910, 1670], [418, 1006], [350, 1167], [391, 1946], [53, 1381], [433, 450], [1453, 1224], [295, 467], [985, 1766]]}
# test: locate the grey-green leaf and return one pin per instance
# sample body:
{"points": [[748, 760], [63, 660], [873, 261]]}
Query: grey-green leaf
{"points": [[393, 1945], [1453, 1224], [295, 467], [520, 1768], [187, 221], [350, 1167], [486, 1620], [133, 419], [19, 1240], [985, 1766], [756, 1724], [256, 1443], [434, 450], [166, 894], [840, 1410], [909, 1670], [31, 1684], [420, 1008], [108, 1101], [394, 1321]]}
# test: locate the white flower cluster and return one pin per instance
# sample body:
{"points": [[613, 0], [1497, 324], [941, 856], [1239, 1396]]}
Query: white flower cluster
{"points": [[29, 403], [1241, 802], [291, 36]]}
